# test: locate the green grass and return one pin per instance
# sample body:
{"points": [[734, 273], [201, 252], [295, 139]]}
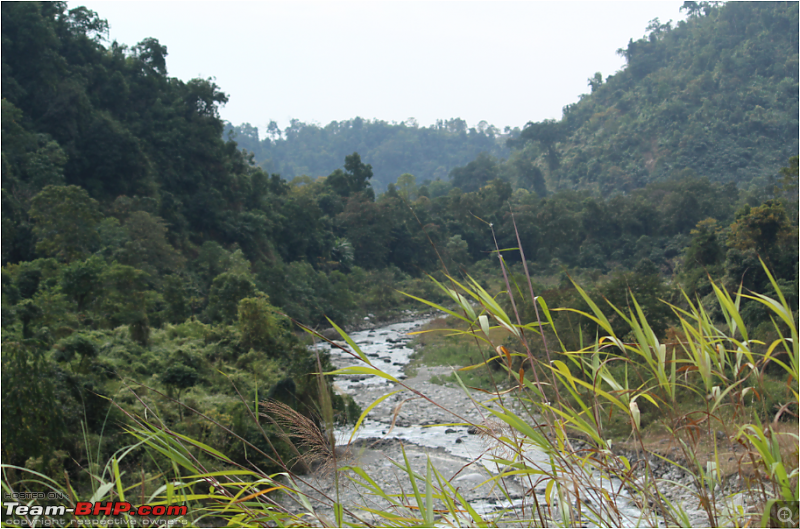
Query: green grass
{"points": [[437, 345]]}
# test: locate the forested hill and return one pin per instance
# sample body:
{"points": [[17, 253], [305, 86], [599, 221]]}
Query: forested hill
{"points": [[429, 153], [139, 245], [715, 96]]}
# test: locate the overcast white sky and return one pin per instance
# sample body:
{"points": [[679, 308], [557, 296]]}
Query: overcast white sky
{"points": [[504, 62]]}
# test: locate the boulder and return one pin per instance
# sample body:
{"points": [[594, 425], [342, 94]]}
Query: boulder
{"points": [[330, 333]]}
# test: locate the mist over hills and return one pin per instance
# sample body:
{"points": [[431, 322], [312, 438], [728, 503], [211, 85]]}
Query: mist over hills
{"points": [[429, 153]]}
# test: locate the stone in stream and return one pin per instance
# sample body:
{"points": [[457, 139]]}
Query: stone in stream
{"points": [[473, 476], [330, 333]]}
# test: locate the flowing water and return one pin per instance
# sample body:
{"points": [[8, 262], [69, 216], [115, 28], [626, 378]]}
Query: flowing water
{"points": [[387, 348]]}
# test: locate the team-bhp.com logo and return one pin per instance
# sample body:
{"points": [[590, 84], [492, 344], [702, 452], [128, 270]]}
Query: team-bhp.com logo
{"points": [[85, 508]]}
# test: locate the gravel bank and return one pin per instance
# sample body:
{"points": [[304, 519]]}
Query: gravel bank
{"points": [[423, 428]]}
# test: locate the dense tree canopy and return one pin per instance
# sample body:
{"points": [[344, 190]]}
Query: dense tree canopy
{"points": [[139, 243], [716, 94], [429, 153]]}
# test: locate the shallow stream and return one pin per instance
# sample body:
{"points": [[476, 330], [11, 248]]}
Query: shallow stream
{"points": [[420, 423]]}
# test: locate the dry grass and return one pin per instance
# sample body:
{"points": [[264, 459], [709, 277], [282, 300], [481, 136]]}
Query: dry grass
{"points": [[312, 445]]}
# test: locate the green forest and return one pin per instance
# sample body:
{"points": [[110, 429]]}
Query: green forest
{"points": [[428, 153], [153, 253]]}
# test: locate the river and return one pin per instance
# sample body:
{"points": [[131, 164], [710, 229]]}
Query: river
{"points": [[424, 430]]}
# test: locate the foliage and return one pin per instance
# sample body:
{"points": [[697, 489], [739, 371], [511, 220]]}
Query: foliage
{"points": [[258, 324], [761, 229], [180, 377], [552, 405], [148, 260], [227, 290], [428, 153], [75, 344], [65, 221], [715, 94], [354, 179]]}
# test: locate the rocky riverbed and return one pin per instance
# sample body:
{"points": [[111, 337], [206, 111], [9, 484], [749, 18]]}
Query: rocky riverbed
{"points": [[423, 425]]}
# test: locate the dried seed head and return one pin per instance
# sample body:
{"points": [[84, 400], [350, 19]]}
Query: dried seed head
{"points": [[314, 445]]}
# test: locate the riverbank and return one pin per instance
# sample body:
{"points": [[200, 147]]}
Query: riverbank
{"points": [[405, 422], [420, 421]]}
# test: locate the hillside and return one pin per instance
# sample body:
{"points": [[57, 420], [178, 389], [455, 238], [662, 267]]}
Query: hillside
{"points": [[715, 96], [146, 255], [428, 153]]}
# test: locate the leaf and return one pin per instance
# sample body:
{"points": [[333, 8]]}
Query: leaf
{"points": [[464, 304], [370, 483], [600, 318], [368, 409], [339, 513], [476, 366], [170, 452], [259, 493], [502, 350], [548, 492], [118, 479], [101, 492], [222, 473], [437, 307], [413, 478], [428, 495], [718, 398], [361, 370], [484, 323], [349, 341], [509, 327], [488, 301], [635, 414], [564, 370], [203, 446]]}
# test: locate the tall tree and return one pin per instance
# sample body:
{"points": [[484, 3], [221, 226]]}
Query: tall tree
{"points": [[66, 221], [354, 179]]}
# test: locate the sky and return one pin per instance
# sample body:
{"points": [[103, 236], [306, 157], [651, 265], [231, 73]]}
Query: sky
{"points": [[507, 63]]}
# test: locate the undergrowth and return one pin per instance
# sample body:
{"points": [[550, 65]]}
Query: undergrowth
{"points": [[554, 424]]}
